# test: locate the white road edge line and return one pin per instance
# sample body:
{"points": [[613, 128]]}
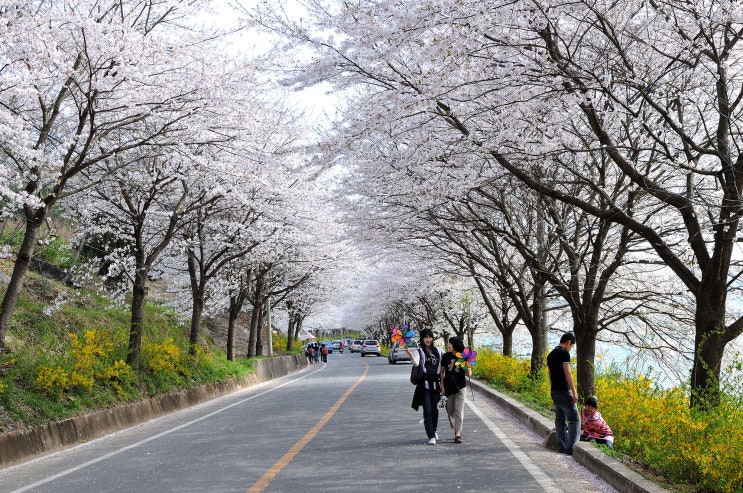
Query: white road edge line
{"points": [[154, 437], [537, 472]]}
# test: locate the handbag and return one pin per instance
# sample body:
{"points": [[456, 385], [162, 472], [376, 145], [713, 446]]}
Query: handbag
{"points": [[416, 373]]}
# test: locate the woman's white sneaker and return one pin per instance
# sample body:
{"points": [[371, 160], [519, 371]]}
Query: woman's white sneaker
{"points": [[432, 441]]}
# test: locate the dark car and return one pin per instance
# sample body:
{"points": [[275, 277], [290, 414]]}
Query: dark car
{"points": [[371, 346]]}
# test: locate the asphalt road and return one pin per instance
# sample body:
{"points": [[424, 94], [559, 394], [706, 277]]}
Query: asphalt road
{"points": [[344, 426]]}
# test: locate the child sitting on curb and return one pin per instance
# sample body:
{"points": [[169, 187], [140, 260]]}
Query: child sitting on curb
{"points": [[593, 426]]}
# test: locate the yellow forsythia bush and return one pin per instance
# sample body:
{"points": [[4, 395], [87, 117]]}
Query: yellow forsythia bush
{"points": [[201, 356], [703, 448], [512, 373], [653, 425], [121, 377], [52, 380], [90, 365], [164, 360]]}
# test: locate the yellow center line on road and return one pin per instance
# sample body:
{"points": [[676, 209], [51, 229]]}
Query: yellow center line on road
{"points": [[284, 461]]}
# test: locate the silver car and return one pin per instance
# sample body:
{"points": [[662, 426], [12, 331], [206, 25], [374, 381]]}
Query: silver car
{"points": [[371, 346], [398, 353]]}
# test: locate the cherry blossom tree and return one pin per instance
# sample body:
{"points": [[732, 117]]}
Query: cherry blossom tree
{"points": [[83, 83], [140, 209], [648, 89]]}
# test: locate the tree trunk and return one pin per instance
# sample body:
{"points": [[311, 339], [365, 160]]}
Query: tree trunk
{"points": [[538, 330], [23, 260], [290, 334], [297, 325], [231, 329], [259, 329], [196, 277], [196, 312], [710, 340], [135, 328], [585, 350], [254, 316], [507, 343], [290, 327]]}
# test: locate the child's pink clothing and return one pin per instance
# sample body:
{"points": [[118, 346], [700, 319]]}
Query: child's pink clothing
{"points": [[594, 426]]}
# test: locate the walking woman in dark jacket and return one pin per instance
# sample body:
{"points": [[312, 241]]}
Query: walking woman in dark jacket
{"points": [[428, 391]]}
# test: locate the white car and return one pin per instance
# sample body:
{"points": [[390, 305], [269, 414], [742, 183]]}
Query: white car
{"points": [[371, 346]]}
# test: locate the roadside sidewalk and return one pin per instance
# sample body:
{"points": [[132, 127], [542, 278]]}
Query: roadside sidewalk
{"points": [[616, 474]]}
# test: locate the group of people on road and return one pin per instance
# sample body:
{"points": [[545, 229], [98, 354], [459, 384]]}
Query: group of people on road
{"points": [[315, 353], [444, 380]]}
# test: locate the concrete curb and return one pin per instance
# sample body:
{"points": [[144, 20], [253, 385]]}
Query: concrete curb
{"points": [[619, 476], [23, 445]]}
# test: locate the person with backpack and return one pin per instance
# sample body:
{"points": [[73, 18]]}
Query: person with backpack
{"points": [[310, 353], [324, 352]]}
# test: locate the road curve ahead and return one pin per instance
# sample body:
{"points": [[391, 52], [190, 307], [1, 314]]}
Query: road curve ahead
{"points": [[340, 427]]}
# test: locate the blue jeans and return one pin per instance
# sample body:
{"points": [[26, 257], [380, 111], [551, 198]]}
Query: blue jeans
{"points": [[566, 410], [431, 411]]}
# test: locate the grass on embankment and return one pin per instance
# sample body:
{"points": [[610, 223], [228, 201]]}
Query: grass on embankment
{"points": [[68, 358]]}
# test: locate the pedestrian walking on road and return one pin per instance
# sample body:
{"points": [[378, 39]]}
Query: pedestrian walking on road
{"points": [[453, 386], [564, 395], [428, 391], [310, 353]]}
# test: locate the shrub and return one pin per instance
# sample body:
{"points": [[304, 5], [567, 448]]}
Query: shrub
{"points": [[651, 424], [121, 378], [87, 363], [52, 380], [164, 361]]}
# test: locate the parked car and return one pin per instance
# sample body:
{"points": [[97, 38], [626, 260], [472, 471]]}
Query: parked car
{"points": [[398, 353], [328, 345], [371, 346], [356, 346]]}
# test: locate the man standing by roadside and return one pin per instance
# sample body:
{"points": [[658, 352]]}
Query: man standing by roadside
{"points": [[564, 395]]}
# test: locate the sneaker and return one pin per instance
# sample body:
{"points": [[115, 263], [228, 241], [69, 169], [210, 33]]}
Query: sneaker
{"points": [[432, 441], [436, 435], [457, 439]]}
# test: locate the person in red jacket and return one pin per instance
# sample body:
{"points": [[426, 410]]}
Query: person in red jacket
{"points": [[592, 424]]}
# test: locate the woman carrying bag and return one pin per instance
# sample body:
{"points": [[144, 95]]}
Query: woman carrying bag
{"points": [[428, 390], [453, 383]]}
